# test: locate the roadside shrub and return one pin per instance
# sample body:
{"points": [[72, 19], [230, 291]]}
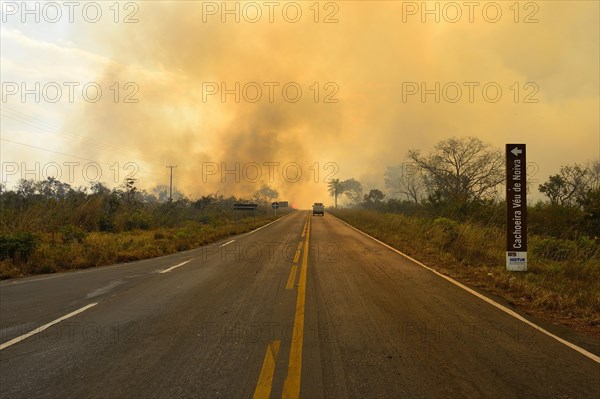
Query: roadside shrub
{"points": [[106, 223], [17, 246], [588, 248], [444, 231], [555, 221], [101, 248], [553, 248], [72, 233], [137, 220], [550, 248], [183, 234]]}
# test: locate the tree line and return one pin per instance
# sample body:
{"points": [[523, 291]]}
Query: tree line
{"points": [[462, 179], [52, 206]]}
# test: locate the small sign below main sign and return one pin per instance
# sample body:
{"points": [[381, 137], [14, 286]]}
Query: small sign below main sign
{"points": [[516, 207]]}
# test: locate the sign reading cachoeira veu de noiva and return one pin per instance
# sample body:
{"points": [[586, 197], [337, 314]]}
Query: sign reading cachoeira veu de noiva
{"points": [[516, 208]]}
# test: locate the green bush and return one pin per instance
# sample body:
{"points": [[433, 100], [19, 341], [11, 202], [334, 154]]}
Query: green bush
{"points": [[106, 223], [72, 233], [183, 234], [556, 221], [553, 248], [17, 246], [138, 220]]}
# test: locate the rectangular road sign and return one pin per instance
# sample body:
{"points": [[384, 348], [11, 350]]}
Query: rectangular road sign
{"points": [[283, 204], [245, 207], [516, 208]]}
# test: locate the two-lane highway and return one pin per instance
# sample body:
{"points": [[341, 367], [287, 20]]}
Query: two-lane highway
{"points": [[304, 307]]}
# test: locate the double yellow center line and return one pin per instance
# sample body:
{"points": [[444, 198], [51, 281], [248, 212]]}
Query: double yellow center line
{"points": [[294, 269], [291, 386]]}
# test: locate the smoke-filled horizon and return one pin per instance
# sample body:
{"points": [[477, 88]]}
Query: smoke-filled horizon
{"points": [[374, 85]]}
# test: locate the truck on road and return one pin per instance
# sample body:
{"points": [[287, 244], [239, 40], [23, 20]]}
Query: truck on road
{"points": [[318, 209]]}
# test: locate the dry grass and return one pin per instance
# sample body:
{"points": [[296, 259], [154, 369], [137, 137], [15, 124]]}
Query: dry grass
{"points": [[55, 253]]}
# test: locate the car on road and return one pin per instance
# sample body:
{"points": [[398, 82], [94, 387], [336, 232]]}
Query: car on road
{"points": [[318, 209]]}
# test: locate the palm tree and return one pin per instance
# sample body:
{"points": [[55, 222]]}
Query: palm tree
{"points": [[335, 189]]}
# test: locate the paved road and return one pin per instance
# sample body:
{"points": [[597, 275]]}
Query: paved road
{"points": [[259, 315]]}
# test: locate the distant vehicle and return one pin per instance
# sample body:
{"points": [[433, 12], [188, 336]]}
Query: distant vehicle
{"points": [[318, 209]]}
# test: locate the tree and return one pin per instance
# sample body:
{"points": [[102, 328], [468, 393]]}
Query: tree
{"points": [[25, 188], [374, 199], [375, 195], [161, 192], [405, 179], [352, 189], [335, 189], [130, 189], [265, 193], [99, 188], [591, 205], [204, 202], [594, 175], [461, 170], [52, 188], [570, 186], [553, 189]]}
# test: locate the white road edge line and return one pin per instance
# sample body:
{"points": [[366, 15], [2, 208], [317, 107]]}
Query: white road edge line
{"points": [[45, 326], [175, 267], [484, 298], [227, 243]]}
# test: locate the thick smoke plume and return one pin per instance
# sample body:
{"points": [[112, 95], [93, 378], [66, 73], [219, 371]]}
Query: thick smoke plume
{"points": [[178, 52]]}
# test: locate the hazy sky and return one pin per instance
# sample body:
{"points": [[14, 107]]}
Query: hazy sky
{"points": [[361, 67]]}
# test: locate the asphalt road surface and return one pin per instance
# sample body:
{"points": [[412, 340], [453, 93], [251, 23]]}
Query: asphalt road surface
{"points": [[304, 307]]}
